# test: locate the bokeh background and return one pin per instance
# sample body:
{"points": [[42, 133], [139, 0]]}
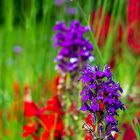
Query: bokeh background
{"points": [[27, 53]]}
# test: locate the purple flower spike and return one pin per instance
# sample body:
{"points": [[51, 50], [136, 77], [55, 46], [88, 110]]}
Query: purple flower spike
{"points": [[75, 50], [100, 97]]}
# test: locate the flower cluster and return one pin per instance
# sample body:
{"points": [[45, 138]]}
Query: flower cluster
{"points": [[43, 123], [100, 96], [75, 49]]}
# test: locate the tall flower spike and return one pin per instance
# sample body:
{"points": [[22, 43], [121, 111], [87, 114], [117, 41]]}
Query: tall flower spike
{"points": [[100, 97], [75, 49]]}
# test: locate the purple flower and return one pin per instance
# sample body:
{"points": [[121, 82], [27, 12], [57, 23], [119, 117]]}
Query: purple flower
{"points": [[71, 10], [17, 49], [110, 119], [75, 50], [59, 2], [100, 96], [84, 107]]}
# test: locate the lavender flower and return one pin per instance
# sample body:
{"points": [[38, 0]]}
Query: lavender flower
{"points": [[75, 49], [71, 11], [17, 49], [100, 96], [59, 2]]}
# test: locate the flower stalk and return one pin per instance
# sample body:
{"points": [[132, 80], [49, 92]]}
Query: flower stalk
{"points": [[100, 97]]}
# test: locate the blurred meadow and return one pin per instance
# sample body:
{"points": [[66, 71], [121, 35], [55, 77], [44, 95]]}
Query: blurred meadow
{"points": [[27, 55]]}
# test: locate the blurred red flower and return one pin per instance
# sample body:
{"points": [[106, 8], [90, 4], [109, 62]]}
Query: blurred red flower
{"points": [[133, 19], [95, 22], [88, 136], [129, 133], [30, 109], [28, 130], [48, 118], [54, 105]]}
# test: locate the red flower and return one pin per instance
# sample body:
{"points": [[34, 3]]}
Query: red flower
{"points": [[132, 11], [30, 109], [45, 136], [88, 136], [28, 130], [95, 22], [52, 122], [59, 129], [54, 105], [120, 33], [133, 25], [47, 118], [89, 121], [48, 121], [129, 133], [101, 106]]}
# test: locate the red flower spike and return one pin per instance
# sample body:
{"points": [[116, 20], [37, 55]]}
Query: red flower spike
{"points": [[120, 33], [133, 25], [104, 27]]}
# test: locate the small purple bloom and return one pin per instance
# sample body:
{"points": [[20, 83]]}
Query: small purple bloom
{"points": [[94, 107], [84, 107], [17, 49], [59, 2], [110, 119], [85, 97], [71, 10]]}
